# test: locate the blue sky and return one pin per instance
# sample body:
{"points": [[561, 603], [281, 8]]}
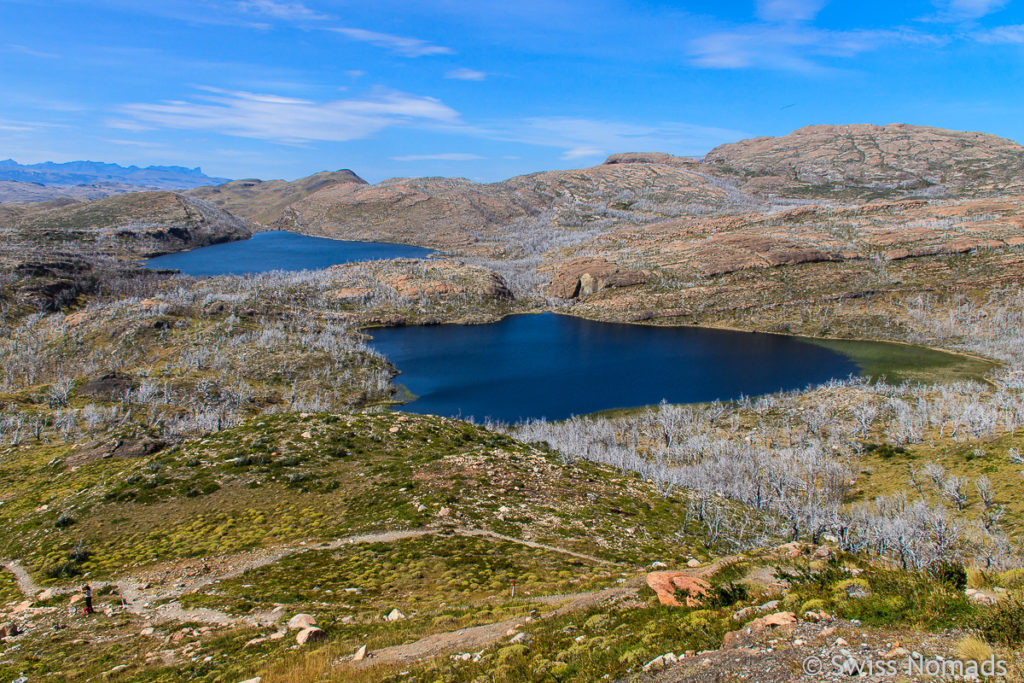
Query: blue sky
{"points": [[483, 89]]}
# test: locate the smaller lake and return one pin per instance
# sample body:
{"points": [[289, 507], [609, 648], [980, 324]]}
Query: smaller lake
{"points": [[556, 366], [279, 250]]}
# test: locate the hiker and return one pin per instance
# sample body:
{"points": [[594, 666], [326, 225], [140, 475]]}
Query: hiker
{"points": [[88, 600]]}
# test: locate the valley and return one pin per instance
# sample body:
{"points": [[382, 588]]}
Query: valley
{"points": [[219, 455]]}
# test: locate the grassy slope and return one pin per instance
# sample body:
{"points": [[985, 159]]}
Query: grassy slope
{"points": [[280, 478]]}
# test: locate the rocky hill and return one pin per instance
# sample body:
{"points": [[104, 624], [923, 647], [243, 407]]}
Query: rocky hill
{"points": [[867, 160], [266, 201], [133, 225], [458, 213], [53, 251]]}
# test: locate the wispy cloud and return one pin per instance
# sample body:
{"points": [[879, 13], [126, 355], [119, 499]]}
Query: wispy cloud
{"points": [[285, 119], [789, 10], [791, 48], [282, 9], [22, 49], [447, 156], [966, 10], [403, 45], [466, 75], [581, 138], [1002, 35]]}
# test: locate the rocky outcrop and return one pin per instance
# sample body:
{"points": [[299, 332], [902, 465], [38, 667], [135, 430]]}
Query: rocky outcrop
{"points": [[581, 277], [864, 159], [651, 158]]}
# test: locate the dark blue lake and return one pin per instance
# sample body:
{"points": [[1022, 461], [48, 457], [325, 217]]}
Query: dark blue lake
{"points": [[556, 366], [278, 250]]}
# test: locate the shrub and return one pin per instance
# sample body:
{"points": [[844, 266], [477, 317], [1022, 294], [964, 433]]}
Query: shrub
{"points": [[64, 570], [885, 450], [949, 573], [64, 520], [813, 606], [728, 594], [851, 588], [1003, 622]]}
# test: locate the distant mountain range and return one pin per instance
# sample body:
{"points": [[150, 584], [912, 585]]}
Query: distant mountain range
{"points": [[91, 179]]}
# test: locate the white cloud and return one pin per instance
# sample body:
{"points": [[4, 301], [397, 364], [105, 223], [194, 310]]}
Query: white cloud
{"points": [[286, 119], [789, 10], [447, 156], [580, 138], [965, 10], [282, 9], [408, 47], [1002, 35], [466, 75], [583, 152], [791, 48]]}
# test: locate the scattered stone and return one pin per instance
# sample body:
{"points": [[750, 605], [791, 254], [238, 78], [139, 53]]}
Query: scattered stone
{"points": [[693, 562], [310, 635], [45, 595], [658, 565], [22, 606], [360, 654], [521, 638], [897, 653], [778, 619], [840, 642], [301, 621], [116, 670], [258, 679], [148, 631], [394, 615], [444, 512]]}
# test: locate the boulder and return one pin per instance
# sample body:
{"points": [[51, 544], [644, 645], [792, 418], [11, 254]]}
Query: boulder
{"points": [[310, 635], [394, 615], [360, 654], [301, 621], [665, 585], [8, 629]]}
